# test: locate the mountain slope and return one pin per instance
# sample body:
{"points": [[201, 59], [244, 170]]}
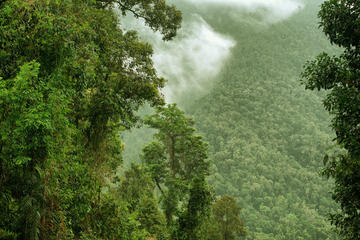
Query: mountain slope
{"points": [[267, 134]]}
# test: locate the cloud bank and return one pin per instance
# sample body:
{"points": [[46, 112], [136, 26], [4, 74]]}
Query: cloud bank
{"points": [[191, 61], [196, 56]]}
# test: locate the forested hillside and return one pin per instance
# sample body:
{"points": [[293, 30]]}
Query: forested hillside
{"points": [[242, 160], [267, 135]]}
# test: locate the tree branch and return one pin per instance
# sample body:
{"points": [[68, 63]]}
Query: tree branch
{"points": [[158, 185], [137, 15]]}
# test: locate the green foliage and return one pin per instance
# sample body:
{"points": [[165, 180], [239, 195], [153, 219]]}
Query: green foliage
{"points": [[226, 219], [30, 134], [177, 162], [339, 75], [70, 81], [157, 15], [186, 152], [6, 235], [138, 190], [25, 122], [266, 134], [197, 210]]}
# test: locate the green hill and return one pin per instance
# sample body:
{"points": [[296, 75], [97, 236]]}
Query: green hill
{"points": [[267, 135]]}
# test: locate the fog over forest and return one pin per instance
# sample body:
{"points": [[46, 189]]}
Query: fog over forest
{"points": [[192, 61], [179, 120], [235, 66]]}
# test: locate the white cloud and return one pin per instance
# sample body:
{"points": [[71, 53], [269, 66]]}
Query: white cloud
{"points": [[192, 61]]}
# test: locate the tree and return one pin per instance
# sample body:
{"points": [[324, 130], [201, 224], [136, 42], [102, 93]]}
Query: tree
{"points": [[197, 210], [70, 80], [340, 77], [226, 216], [177, 162], [30, 133], [137, 190]]}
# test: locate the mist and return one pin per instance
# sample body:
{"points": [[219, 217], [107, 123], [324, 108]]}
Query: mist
{"points": [[272, 10], [191, 61]]}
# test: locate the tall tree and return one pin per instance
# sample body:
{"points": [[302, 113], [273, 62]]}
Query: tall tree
{"points": [[137, 189], [340, 77], [197, 210], [177, 161], [226, 214]]}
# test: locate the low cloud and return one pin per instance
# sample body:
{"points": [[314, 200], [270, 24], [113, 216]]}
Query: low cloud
{"points": [[191, 61]]}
